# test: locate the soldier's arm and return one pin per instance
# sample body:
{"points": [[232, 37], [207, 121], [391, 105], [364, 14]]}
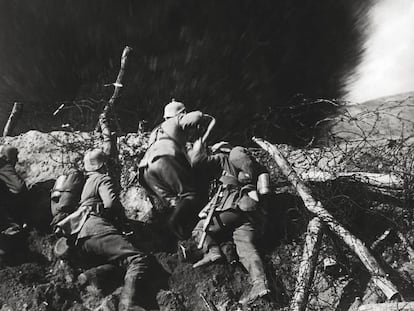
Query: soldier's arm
{"points": [[108, 194], [194, 119], [12, 180]]}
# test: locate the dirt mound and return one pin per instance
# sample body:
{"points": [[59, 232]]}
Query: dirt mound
{"points": [[35, 280]]}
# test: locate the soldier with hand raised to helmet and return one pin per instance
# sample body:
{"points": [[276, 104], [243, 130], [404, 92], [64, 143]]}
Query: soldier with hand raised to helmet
{"points": [[166, 169]]}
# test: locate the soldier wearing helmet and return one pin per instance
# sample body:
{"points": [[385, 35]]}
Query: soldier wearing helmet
{"points": [[13, 192], [166, 170], [238, 212], [173, 108], [97, 238]]}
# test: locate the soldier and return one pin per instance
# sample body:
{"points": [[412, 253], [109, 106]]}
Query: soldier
{"points": [[236, 212], [96, 236], [12, 197], [166, 170]]}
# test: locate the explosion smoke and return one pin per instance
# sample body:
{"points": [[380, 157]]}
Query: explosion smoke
{"points": [[387, 65]]}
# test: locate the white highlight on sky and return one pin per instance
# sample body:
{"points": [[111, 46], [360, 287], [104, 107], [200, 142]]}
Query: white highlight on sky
{"points": [[387, 65]]}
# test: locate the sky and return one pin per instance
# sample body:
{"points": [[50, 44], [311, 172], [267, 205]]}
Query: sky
{"points": [[253, 64], [387, 64]]}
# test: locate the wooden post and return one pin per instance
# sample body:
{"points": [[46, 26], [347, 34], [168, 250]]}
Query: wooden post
{"points": [[118, 85], [14, 116], [109, 136], [379, 276], [307, 265]]}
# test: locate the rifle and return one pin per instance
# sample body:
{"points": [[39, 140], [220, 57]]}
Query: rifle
{"points": [[213, 205]]}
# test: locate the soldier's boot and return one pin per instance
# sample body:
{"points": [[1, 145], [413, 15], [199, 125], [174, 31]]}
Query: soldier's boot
{"points": [[213, 255], [260, 287], [258, 290], [128, 297], [98, 276]]}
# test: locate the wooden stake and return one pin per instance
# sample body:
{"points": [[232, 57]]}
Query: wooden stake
{"points": [[379, 276], [118, 85], [14, 116], [109, 136], [307, 265]]}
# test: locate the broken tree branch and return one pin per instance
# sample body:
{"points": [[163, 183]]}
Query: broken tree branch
{"points": [[109, 136], [307, 265], [14, 116], [391, 306], [118, 85], [373, 179], [379, 276]]}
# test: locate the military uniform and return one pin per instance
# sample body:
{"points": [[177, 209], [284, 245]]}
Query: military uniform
{"points": [[237, 212], [12, 193], [166, 171], [100, 241]]}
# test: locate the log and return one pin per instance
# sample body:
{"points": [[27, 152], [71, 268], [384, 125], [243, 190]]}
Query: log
{"points": [[390, 180], [14, 116], [307, 265], [390, 306], [379, 276]]}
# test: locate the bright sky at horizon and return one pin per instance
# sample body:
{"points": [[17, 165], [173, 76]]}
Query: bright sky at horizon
{"points": [[387, 65]]}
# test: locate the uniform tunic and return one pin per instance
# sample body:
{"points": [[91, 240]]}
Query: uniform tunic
{"points": [[98, 192], [236, 213], [99, 240], [166, 170], [12, 194]]}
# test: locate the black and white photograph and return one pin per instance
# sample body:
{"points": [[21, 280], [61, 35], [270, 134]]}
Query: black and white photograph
{"points": [[209, 155]]}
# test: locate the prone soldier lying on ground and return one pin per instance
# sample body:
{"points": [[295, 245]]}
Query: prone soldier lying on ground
{"points": [[95, 236], [236, 211], [13, 194]]}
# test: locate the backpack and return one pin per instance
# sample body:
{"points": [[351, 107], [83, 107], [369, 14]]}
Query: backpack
{"points": [[65, 194]]}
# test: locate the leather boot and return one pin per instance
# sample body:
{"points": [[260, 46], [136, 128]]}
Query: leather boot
{"points": [[213, 255], [258, 290], [128, 297], [98, 276]]}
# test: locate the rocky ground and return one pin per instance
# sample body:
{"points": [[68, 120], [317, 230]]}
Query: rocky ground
{"points": [[35, 280]]}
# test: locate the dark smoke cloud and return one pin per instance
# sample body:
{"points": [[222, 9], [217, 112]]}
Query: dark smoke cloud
{"points": [[240, 60]]}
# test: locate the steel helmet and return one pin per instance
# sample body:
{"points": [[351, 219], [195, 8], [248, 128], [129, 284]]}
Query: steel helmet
{"points": [[173, 108], [9, 153], [94, 160]]}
